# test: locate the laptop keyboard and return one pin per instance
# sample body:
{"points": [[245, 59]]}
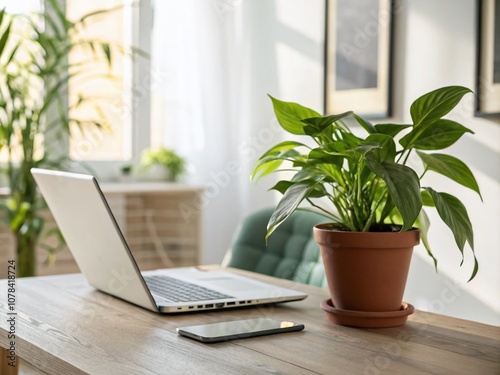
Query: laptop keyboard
{"points": [[176, 290]]}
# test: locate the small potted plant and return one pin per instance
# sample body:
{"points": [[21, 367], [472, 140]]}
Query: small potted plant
{"points": [[163, 164], [126, 173], [373, 197]]}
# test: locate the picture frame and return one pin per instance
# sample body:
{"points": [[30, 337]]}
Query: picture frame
{"points": [[358, 49], [488, 59]]}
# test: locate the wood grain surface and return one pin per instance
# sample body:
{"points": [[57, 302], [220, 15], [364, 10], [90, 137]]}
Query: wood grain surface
{"points": [[64, 326]]}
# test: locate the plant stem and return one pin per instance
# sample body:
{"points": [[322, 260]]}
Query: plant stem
{"points": [[373, 213], [357, 198], [26, 257], [407, 156], [342, 212], [423, 173], [329, 214]]}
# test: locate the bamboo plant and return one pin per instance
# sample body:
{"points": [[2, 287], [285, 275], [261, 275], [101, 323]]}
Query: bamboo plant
{"points": [[34, 74]]}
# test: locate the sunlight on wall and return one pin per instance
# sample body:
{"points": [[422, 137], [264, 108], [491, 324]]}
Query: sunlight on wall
{"points": [[430, 29]]}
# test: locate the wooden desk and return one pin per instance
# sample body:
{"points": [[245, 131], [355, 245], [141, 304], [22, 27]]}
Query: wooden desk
{"points": [[64, 326]]}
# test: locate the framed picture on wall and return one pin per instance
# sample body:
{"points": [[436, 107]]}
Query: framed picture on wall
{"points": [[488, 82], [358, 57]]}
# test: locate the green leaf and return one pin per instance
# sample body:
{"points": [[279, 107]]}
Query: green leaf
{"points": [[307, 174], [322, 122], [350, 140], [454, 215], [107, 53], [2, 14], [387, 209], [434, 136], [317, 125], [290, 115], [61, 14], [99, 12], [365, 124], [404, 188], [319, 155], [367, 147], [282, 186], [265, 167], [317, 192], [293, 196], [452, 168], [54, 27], [427, 199], [274, 157], [282, 146], [390, 129], [435, 104], [4, 38], [12, 54], [387, 150], [19, 212], [423, 223], [53, 93], [337, 148]]}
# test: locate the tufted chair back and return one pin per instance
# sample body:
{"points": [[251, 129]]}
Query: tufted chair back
{"points": [[291, 252]]}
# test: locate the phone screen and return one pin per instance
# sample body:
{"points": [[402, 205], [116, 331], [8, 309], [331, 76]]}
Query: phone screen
{"points": [[238, 329]]}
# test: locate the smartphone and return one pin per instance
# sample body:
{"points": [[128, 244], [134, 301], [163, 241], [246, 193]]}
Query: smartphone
{"points": [[238, 329]]}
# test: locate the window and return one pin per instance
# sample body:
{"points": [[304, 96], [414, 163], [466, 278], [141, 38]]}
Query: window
{"points": [[121, 140], [107, 149], [105, 84]]}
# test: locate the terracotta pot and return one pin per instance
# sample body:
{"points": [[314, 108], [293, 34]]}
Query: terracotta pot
{"points": [[366, 271]]}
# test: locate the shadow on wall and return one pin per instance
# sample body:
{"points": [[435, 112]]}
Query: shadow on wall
{"points": [[481, 157], [440, 294]]}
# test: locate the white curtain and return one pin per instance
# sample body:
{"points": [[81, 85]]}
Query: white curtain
{"points": [[219, 60], [210, 109]]}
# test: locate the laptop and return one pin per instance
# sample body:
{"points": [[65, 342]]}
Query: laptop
{"points": [[103, 256]]}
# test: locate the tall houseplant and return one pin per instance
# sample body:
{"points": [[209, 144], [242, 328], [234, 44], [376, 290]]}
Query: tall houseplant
{"points": [[34, 72], [365, 179]]}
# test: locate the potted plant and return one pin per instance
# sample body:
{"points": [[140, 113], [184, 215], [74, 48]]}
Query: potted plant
{"points": [[163, 164], [373, 197], [126, 171], [34, 74]]}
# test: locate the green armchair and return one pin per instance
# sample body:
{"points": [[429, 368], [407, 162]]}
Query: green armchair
{"points": [[291, 252]]}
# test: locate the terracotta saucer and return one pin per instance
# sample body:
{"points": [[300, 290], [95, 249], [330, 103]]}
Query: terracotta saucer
{"points": [[367, 319]]}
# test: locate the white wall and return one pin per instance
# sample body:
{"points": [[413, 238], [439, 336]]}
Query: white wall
{"points": [[245, 50], [435, 45]]}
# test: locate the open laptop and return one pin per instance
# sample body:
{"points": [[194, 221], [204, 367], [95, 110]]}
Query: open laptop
{"points": [[103, 256]]}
